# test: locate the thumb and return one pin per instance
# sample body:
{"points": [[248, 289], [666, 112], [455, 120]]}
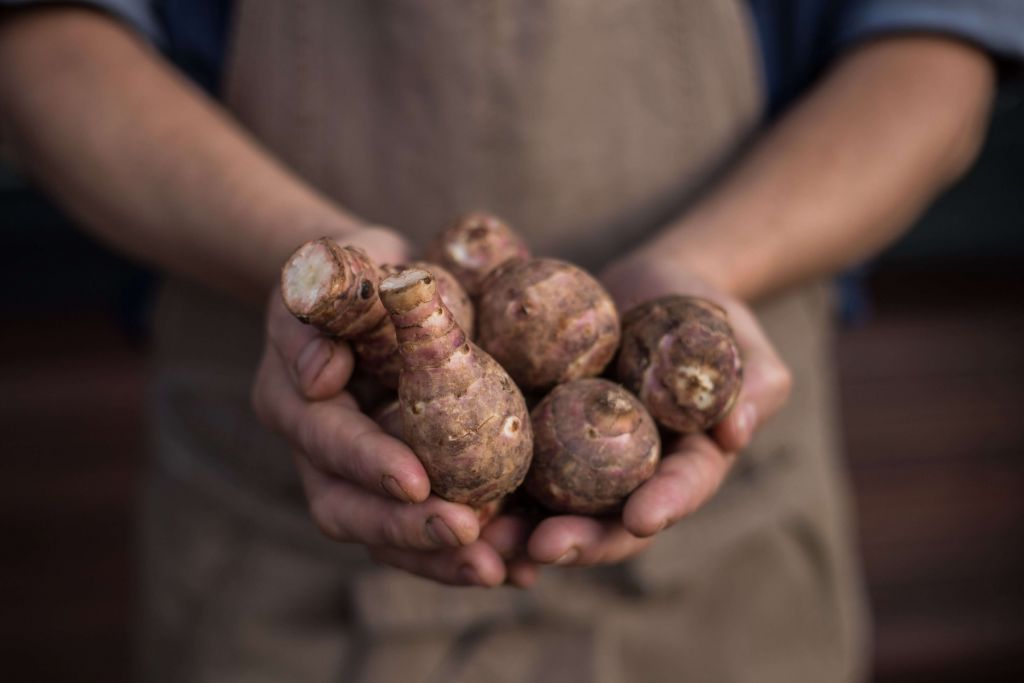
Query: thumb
{"points": [[319, 366], [766, 382]]}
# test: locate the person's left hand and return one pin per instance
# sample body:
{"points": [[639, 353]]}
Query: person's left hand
{"points": [[692, 467]]}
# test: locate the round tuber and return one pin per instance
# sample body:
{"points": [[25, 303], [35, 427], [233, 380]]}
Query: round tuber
{"points": [[547, 322], [594, 443], [461, 413], [474, 246], [680, 357]]}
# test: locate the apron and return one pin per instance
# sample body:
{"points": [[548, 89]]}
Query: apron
{"points": [[588, 126]]}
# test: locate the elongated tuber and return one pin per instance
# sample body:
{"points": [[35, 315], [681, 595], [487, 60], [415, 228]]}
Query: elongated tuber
{"points": [[334, 288], [474, 246], [461, 413], [680, 357], [594, 443], [547, 322], [389, 417]]}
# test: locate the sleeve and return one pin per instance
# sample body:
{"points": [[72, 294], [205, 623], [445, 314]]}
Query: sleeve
{"points": [[138, 14], [995, 25]]}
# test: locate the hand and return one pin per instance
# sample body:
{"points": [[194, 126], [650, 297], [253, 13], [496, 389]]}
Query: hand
{"points": [[692, 467], [362, 485]]}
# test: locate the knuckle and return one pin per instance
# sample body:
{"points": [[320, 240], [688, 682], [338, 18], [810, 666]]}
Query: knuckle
{"points": [[310, 435], [395, 529]]}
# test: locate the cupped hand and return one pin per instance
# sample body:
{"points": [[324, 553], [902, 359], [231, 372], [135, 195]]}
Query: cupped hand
{"points": [[362, 485], [692, 467]]}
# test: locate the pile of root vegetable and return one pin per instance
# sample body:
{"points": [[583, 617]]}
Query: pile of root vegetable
{"points": [[465, 335]]}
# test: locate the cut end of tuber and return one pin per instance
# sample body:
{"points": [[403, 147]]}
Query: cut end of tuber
{"points": [[407, 289], [309, 276], [332, 287]]}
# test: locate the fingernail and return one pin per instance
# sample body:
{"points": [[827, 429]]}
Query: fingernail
{"points": [[568, 557], [440, 533], [311, 361], [468, 576], [394, 489]]}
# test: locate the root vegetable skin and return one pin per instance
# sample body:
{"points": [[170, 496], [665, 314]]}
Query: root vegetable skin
{"points": [[594, 444], [474, 246], [461, 413], [680, 357], [547, 322], [334, 288], [389, 417]]}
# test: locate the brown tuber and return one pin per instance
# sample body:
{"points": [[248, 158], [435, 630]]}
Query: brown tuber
{"points": [[594, 443], [474, 246], [680, 357], [547, 322], [334, 288], [461, 413]]}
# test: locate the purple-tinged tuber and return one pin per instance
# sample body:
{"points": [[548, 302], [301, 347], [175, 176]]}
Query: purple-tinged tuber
{"points": [[461, 413], [547, 322], [474, 246], [594, 444], [334, 288], [680, 357]]}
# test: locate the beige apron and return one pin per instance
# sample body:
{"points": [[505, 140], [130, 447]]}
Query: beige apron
{"points": [[588, 125]]}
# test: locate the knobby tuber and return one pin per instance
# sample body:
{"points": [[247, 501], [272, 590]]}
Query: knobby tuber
{"points": [[389, 417], [594, 443], [474, 246], [334, 288], [461, 413], [547, 322], [680, 357]]}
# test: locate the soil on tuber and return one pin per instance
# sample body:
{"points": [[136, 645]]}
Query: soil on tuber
{"points": [[594, 444], [680, 357], [462, 414], [547, 322]]}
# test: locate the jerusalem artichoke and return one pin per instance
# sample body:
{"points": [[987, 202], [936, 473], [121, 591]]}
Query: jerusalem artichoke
{"points": [[594, 443], [680, 357], [461, 413]]}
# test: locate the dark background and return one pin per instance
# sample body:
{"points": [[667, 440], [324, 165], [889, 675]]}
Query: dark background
{"points": [[931, 360]]}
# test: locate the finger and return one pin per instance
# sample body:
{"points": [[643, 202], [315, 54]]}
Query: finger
{"points": [[475, 565], [346, 513], [766, 382], [684, 481], [318, 366], [339, 439], [571, 540], [522, 573], [507, 535]]}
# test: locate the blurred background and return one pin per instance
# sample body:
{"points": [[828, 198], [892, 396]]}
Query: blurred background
{"points": [[931, 361]]}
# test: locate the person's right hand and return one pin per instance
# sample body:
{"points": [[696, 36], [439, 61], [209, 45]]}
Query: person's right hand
{"points": [[362, 485]]}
